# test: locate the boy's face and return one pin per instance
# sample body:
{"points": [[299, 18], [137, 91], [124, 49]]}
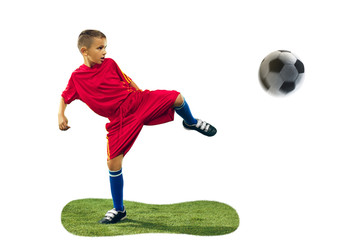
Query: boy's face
{"points": [[96, 53]]}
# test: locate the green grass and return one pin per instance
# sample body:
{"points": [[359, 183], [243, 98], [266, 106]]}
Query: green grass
{"points": [[203, 218]]}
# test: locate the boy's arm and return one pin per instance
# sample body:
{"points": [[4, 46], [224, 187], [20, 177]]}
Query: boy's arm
{"points": [[63, 121], [132, 84]]}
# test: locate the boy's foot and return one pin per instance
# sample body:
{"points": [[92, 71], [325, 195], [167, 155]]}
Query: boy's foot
{"points": [[202, 127], [113, 216]]}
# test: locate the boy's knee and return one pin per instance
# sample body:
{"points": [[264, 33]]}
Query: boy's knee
{"points": [[115, 164], [179, 101]]}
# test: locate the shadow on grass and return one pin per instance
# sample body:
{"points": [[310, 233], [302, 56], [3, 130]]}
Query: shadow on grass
{"points": [[204, 218], [192, 230]]}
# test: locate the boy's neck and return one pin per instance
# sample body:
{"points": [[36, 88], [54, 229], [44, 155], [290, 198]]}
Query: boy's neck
{"points": [[88, 63]]}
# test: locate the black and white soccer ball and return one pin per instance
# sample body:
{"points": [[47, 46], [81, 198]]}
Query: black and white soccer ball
{"points": [[281, 72]]}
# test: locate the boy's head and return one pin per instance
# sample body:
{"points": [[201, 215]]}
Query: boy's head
{"points": [[86, 38], [92, 44]]}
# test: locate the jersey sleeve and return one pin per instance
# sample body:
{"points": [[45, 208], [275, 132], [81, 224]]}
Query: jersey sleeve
{"points": [[70, 93], [128, 79], [122, 75]]}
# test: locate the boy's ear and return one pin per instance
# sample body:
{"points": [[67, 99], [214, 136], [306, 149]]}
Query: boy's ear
{"points": [[83, 51]]}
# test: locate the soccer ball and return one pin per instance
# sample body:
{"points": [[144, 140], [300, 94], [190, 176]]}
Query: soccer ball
{"points": [[281, 72]]}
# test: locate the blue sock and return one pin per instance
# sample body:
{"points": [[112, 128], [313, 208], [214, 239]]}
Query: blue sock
{"points": [[117, 185], [185, 113]]}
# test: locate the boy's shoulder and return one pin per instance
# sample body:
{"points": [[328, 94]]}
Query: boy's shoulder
{"points": [[109, 59], [83, 68]]}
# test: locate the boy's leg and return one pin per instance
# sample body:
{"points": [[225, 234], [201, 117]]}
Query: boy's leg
{"points": [[183, 110], [116, 181], [116, 184], [115, 164]]}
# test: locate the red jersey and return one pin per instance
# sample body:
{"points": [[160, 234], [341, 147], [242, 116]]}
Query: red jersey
{"points": [[103, 87], [107, 91]]}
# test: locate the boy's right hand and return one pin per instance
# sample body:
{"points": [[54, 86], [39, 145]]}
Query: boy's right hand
{"points": [[63, 123]]}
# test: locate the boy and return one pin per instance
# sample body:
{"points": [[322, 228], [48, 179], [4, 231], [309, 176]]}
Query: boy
{"points": [[109, 92]]}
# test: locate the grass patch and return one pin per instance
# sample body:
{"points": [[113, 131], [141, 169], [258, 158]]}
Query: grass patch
{"points": [[205, 218]]}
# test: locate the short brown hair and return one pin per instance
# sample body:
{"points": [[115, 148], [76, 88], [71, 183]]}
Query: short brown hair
{"points": [[86, 38]]}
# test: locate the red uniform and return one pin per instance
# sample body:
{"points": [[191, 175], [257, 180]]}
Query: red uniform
{"points": [[107, 91]]}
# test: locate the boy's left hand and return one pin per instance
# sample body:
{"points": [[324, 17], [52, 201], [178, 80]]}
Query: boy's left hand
{"points": [[63, 123]]}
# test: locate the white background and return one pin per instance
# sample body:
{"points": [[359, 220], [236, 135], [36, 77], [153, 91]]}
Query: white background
{"points": [[288, 165]]}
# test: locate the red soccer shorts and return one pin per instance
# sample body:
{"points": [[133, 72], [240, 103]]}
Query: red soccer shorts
{"points": [[139, 109]]}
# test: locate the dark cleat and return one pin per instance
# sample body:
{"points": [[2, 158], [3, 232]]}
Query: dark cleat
{"points": [[202, 127], [113, 216]]}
